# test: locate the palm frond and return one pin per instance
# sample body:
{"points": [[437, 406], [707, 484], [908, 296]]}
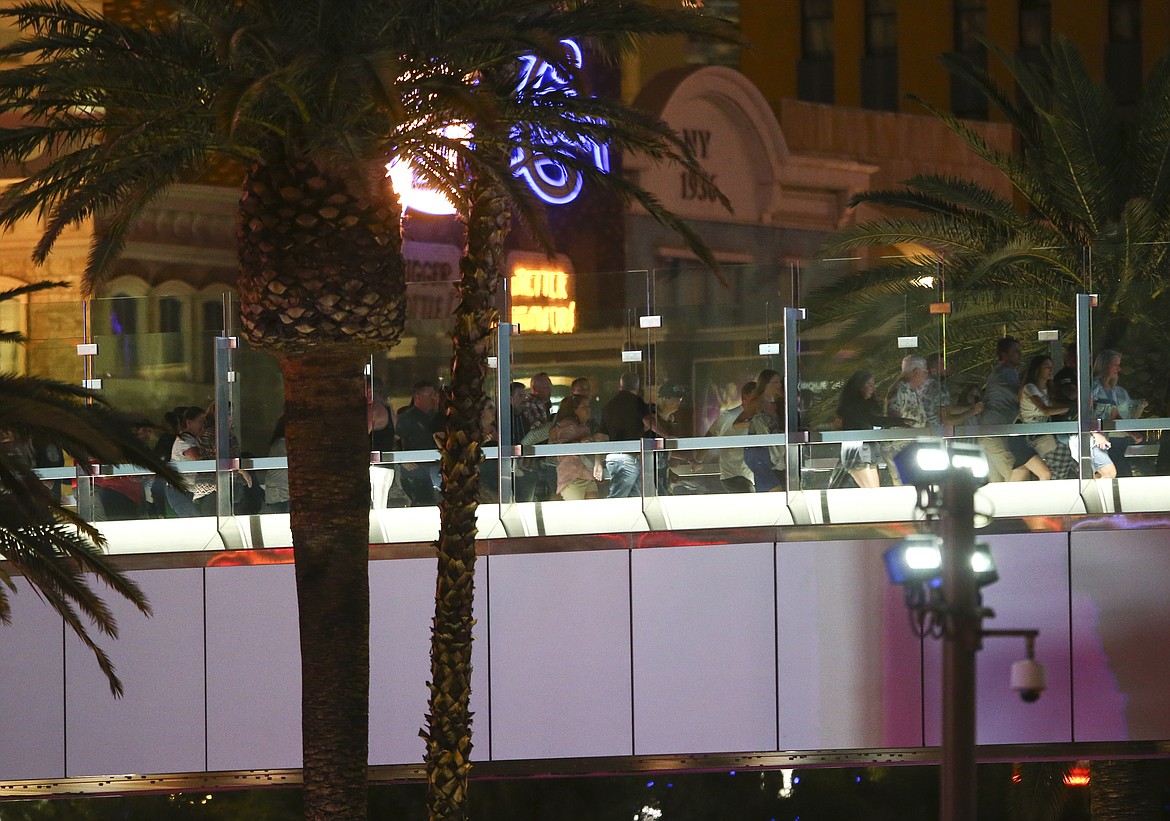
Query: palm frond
{"points": [[49, 544]]}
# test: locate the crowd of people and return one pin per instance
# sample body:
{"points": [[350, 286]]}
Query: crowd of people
{"points": [[1033, 394], [922, 396]]}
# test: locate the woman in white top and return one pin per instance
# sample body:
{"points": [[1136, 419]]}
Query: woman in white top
{"points": [[187, 449], [1035, 405]]}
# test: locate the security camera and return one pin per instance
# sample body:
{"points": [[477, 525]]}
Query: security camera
{"points": [[1029, 679]]}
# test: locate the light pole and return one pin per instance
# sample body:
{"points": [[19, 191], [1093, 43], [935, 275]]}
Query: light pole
{"points": [[960, 642], [942, 574]]}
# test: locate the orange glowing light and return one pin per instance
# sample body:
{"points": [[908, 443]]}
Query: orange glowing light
{"points": [[1077, 775]]}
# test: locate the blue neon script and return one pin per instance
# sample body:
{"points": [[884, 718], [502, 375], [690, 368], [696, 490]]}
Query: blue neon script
{"points": [[548, 178]]}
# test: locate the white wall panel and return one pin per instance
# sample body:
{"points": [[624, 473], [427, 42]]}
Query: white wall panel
{"points": [[32, 679], [830, 608], [560, 655], [704, 649], [253, 668], [158, 726], [901, 674], [1032, 593], [1121, 633], [402, 607]]}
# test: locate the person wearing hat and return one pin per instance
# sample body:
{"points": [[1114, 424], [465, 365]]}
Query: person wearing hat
{"points": [[667, 426]]}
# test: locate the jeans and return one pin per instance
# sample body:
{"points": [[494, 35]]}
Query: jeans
{"points": [[182, 502], [623, 473]]}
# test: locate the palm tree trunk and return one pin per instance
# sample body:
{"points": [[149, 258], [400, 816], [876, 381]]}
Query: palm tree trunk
{"points": [[322, 284], [448, 736], [328, 455]]}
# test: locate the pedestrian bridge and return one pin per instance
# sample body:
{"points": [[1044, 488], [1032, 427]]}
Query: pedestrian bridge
{"points": [[683, 627], [613, 634]]}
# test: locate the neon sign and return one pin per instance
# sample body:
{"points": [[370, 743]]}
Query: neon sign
{"points": [[548, 178], [542, 300]]}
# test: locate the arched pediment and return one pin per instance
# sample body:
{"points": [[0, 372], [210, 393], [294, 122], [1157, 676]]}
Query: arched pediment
{"points": [[734, 134]]}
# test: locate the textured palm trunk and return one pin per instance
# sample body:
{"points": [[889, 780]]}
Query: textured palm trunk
{"points": [[329, 481], [448, 733], [322, 285]]}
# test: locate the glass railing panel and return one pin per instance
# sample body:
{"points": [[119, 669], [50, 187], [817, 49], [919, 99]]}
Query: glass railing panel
{"points": [[996, 343], [155, 354], [864, 317], [152, 358], [1127, 362], [602, 347], [258, 393], [53, 331], [902, 330], [714, 334]]}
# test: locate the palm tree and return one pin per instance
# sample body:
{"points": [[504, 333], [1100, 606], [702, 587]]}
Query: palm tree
{"points": [[487, 201], [309, 100], [1090, 212], [41, 539]]}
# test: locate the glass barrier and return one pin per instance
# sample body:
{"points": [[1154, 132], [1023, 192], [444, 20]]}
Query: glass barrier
{"points": [[54, 330], [694, 342], [1127, 362], [588, 359], [714, 335], [928, 364]]}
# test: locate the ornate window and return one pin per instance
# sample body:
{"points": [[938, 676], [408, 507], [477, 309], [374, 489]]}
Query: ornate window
{"points": [[879, 65], [814, 75], [704, 52], [970, 26]]}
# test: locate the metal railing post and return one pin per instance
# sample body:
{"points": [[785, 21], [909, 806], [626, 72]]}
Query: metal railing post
{"points": [[1085, 420], [507, 464], [791, 420], [225, 464]]}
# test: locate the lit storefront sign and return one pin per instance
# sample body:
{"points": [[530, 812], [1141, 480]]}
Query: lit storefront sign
{"points": [[543, 298], [549, 179]]}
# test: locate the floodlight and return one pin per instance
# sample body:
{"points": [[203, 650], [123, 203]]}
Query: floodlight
{"points": [[917, 560], [927, 461]]}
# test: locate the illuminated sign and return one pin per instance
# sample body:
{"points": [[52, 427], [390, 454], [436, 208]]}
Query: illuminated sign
{"points": [[543, 300], [549, 179]]}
